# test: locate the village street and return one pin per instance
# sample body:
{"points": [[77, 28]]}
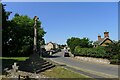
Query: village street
{"points": [[91, 69]]}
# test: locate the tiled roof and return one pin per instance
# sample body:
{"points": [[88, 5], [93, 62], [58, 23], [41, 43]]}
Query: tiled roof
{"points": [[100, 41]]}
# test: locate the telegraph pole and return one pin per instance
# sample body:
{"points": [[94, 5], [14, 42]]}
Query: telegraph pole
{"points": [[35, 35]]}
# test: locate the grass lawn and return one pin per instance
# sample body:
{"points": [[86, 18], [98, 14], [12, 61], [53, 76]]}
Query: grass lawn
{"points": [[15, 58], [60, 72], [8, 61]]}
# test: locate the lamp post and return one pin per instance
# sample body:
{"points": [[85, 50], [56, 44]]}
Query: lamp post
{"points": [[35, 35]]}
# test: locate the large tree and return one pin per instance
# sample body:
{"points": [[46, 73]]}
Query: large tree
{"points": [[74, 41], [85, 43], [18, 35], [5, 30]]}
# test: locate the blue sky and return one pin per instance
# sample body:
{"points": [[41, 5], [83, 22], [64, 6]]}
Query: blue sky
{"points": [[64, 20]]}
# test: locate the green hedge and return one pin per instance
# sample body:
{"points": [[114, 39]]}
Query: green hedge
{"points": [[98, 52], [91, 52], [115, 59]]}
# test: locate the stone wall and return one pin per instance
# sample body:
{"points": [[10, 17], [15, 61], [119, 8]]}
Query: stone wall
{"points": [[96, 60]]}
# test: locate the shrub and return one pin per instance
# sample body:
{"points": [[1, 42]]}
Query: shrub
{"points": [[98, 52], [90, 52]]}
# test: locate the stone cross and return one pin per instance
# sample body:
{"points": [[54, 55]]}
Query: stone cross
{"points": [[35, 34], [15, 67]]}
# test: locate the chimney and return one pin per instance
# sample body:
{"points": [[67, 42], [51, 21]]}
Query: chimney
{"points": [[106, 34], [99, 37]]}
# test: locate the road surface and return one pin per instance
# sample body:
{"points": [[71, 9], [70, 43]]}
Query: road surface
{"points": [[100, 70]]}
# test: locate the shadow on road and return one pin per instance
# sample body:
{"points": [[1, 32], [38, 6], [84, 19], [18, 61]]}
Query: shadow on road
{"points": [[53, 56], [61, 65]]}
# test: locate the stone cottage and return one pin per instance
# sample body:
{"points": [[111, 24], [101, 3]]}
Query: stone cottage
{"points": [[103, 41]]}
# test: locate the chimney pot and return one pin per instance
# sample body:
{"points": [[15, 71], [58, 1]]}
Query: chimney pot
{"points": [[99, 37], [106, 34]]}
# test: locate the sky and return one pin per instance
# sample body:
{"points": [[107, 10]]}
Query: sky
{"points": [[63, 20]]}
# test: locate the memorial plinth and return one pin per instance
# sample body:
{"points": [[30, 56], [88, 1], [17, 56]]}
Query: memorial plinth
{"points": [[35, 64]]}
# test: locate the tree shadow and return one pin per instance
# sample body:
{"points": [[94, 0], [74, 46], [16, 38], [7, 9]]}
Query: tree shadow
{"points": [[61, 65], [7, 64], [52, 56]]}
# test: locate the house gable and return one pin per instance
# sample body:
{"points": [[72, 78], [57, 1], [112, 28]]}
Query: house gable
{"points": [[105, 41]]}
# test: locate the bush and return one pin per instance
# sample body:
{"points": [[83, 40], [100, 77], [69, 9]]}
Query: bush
{"points": [[98, 52], [115, 61], [90, 52]]}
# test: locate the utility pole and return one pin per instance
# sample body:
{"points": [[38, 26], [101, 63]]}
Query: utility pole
{"points": [[35, 35]]}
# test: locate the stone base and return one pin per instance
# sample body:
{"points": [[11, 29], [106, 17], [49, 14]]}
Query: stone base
{"points": [[22, 74], [34, 64]]}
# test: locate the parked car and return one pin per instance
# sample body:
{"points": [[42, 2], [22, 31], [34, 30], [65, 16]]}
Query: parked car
{"points": [[66, 54]]}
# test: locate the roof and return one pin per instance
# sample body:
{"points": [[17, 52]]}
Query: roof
{"points": [[99, 42], [52, 43], [49, 42]]}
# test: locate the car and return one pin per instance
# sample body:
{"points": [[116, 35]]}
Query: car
{"points": [[66, 54]]}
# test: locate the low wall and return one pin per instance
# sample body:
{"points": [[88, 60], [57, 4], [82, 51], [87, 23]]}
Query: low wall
{"points": [[96, 60]]}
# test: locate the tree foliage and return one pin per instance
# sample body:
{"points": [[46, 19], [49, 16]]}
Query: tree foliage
{"points": [[114, 50], [18, 35], [83, 43], [72, 43], [5, 30]]}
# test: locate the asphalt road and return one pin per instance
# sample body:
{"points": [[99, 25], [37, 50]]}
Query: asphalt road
{"points": [[103, 70]]}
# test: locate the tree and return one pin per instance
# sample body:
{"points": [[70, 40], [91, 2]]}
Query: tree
{"points": [[5, 30], [20, 39], [113, 48], [83, 43], [72, 43]]}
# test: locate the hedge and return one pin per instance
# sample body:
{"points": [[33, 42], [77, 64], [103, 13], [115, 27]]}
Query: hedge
{"points": [[99, 52], [91, 52]]}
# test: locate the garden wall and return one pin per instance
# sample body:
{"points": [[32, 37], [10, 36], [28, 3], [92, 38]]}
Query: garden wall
{"points": [[96, 60]]}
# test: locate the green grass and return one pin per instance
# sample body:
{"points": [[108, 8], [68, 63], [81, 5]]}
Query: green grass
{"points": [[60, 72], [15, 58]]}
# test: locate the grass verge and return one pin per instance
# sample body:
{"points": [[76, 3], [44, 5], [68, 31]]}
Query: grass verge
{"points": [[60, 72]]}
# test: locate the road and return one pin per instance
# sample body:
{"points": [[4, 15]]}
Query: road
{"points": [[100, 70]]}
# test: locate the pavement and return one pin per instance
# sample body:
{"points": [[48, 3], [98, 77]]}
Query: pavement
{"points": [[93, 70]]}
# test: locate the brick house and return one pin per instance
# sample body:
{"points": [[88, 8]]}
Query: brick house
{"points": [[103, 41]]}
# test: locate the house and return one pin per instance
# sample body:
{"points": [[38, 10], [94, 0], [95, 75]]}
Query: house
{"points": [[51, 46], [103, 41]]}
